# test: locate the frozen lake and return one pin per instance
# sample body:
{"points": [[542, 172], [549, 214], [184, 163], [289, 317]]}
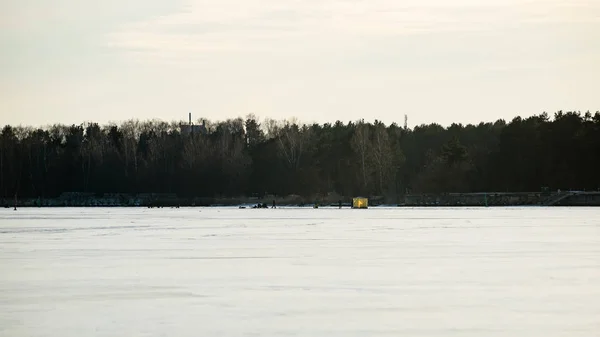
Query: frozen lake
{"points": [[300, 272]]}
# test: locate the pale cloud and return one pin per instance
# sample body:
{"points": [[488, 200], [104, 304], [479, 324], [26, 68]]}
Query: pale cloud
{"points": [[438, 60], [230, 25]]}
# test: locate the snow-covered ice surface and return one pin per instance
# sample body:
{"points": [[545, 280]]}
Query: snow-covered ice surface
{"points": [[300, 272]]}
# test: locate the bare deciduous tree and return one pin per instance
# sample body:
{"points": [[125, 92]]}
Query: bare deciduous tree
{"points": [[361, 145], [293, 141], [383, 156]]}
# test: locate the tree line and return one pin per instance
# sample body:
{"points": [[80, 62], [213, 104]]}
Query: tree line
{"points": [[246, 157]]}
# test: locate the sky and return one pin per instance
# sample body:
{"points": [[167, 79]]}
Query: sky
{"points": [[443, 61]]}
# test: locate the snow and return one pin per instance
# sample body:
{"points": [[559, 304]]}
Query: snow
{"points": [[300, 272]]}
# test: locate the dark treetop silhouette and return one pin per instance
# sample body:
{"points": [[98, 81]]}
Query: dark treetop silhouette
{"points": [[242, 157]]}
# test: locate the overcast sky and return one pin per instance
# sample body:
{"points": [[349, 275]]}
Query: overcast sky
{"points": [[442, 61]]}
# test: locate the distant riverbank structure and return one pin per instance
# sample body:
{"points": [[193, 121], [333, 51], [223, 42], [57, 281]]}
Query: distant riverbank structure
{"points": [[187, 129]]}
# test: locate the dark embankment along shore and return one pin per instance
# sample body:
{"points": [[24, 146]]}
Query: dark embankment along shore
{"points": [[564, 198]]}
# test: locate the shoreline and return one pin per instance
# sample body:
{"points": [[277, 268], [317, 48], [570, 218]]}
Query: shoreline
{"points": [[504, 199]]}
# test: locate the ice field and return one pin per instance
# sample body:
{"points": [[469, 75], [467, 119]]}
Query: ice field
{"points": [[300, 272]]}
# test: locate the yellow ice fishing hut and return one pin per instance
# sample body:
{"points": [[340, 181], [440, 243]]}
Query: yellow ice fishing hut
{"points": [[360, 202]]}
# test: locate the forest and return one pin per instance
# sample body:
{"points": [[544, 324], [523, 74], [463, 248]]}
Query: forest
{"points": [[249, 157]]}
